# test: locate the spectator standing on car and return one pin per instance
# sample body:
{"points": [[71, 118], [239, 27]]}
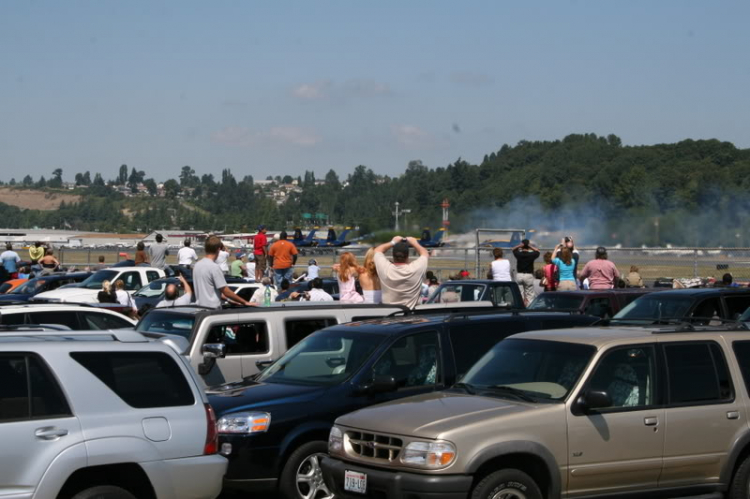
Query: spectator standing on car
{"points": [[158, 253], [49, 263], [282, 257], [601, 273], [266, 294], [500, 268], [400, 279], [141, 257], [223, 259], [10, 261], [186, 257], [36, 253], [634, 279], [549, 280], [526, 255], [313, 270], [316, 292], [107, 293], [172, 296], [237, 269], [260, 251], [563, 260], [369, 280], [208, 280], [347, 271], [574, 254], [250, 268]]}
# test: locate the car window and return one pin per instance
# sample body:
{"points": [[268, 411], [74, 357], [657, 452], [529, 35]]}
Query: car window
{"points": [[132, 280], [599, 307], [452, 293], [470, 341], [697, 374], [560, 301], [28, 390], [12, 319], [504, 297], [246, 293], [152, 289], [412, 360], [742, 353], [152, 275], [706, 310], [241, 339], [141, 379], [63, 318], [168, 322], [299, 329], [736, 305], [628, 376], [95, 321]]}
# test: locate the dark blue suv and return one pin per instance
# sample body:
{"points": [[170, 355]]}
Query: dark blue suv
{"points": [[274, 426]]}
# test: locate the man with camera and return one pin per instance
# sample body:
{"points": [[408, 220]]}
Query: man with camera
{"points": [[525, 255], [401, 280]]}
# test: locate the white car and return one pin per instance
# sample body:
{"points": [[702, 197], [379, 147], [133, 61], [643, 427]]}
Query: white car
{"points": [[74, 317], [86, 292]]}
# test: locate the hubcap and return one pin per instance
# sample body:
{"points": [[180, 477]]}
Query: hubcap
{"points": [[310, 483], [509, 494]]}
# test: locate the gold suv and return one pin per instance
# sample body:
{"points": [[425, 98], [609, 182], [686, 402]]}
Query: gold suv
{"points": [[565, 413]]}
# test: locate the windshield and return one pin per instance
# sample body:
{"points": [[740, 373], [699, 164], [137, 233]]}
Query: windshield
{"points": [[556, 301], [167, 322], [95, 281], [28, 288], [655, 307], [325, 358], [544, 370], [155, 288]]}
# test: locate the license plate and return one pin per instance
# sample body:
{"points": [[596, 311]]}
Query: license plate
{"points": [[355, 482]]}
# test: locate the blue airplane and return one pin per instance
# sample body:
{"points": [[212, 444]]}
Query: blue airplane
{"points": [[304, 242], [515, 239], [432, 242], [331, 241]]}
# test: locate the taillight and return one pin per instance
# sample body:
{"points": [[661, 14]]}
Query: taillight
{"points": [[212, 435]]}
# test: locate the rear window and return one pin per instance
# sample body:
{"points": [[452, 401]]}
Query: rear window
{"points": [[697, 374], [299, 329], [167, 322], [141, 379], [556, 301]]}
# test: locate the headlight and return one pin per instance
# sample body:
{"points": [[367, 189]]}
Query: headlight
{"points": [[335, 440], [429, 455], [245, 422]]}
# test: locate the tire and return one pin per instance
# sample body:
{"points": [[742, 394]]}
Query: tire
{"points": [[104, 492], [740, 481], [302, 477], [507, 484]]}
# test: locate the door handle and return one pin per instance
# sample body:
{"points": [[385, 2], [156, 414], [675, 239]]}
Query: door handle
{"points": [[651, 421], [50, 433], [733, 415]]}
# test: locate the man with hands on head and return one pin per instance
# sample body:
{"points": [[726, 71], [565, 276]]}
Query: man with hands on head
{"points": [[525, 255], [401, 280]]}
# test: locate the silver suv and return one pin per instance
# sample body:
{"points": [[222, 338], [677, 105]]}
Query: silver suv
{"points": [[106, 415]]}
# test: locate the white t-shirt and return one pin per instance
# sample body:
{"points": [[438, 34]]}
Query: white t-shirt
{"points": [[124, 299], [186, 256], [313, 271], [221, 261], [319, 295], [401, 284], [260, 295], [250, 266], [178, 302], [501, 270]]}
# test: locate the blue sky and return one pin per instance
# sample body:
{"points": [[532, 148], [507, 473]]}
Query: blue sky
{"points": [[268, 88]]}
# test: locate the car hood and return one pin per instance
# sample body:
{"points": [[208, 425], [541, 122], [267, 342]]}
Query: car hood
{"points": [[68, 294], [432, 415], [248, 395]]}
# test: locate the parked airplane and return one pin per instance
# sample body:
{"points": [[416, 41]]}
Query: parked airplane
{"points": [[516, 236], [332, 241], [432, 242], [301, 241]]}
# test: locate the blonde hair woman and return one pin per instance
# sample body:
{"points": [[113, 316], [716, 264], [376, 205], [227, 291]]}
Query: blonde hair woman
{"points": [[369, 280], [348, 270]]}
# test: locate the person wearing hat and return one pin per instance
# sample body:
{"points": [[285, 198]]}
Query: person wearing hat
{"points": [[601, 273], [401, 280], [260, 252], [526, 255], [313, 270], [237, 269]]}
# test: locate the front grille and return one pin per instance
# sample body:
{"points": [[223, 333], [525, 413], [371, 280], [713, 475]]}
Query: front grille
{"points": [[373, 446]]}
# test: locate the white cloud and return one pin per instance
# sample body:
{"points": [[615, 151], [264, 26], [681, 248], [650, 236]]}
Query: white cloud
{"points": [[331, 91], [281, 135], [411, 136], [313, 91]]}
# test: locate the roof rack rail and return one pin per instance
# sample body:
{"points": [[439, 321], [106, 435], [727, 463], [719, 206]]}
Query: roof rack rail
{"points": [[689, 327]]}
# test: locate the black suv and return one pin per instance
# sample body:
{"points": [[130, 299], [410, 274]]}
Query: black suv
{"points": [[274, 426], [699, 306], [501, 293]]}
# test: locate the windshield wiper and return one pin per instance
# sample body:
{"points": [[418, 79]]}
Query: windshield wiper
{"points": [[467, 388], [520, 394]]}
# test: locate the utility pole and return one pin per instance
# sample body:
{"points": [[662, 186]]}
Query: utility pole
{"points": [[397, 213]]}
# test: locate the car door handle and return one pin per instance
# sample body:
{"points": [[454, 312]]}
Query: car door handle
{"points": [[651, 421], [50, 433], [733, 415]]}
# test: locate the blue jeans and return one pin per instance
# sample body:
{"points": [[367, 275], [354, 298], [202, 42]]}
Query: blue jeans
{"points": [[281, 274]]}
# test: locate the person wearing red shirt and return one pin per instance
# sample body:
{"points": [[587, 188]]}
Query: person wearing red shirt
{"points": [[260, 250]]}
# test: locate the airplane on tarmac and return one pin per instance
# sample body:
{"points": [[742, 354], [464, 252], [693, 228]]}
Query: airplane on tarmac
{"points": [[515, 239], [426, 241], [303, 242], [332, 241]]}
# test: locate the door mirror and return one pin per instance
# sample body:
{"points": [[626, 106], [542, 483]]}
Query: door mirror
{"points": [[384, 384], [214, 351], [593, 400]]}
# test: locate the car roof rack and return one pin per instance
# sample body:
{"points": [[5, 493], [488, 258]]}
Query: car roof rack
{"points": [[691, 327], [119, 335]]}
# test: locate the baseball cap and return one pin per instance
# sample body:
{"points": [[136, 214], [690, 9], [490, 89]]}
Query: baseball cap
{"points": [[261, 227], [601, 251], [401, 248], [312, 262]]}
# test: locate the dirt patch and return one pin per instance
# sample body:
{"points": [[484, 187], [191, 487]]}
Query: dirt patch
{"points": [[35, 200]]}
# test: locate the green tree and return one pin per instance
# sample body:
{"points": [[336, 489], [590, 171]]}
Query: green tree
{"points": [[122, 178], [42, 182], [56, 180], [98, 180], [27, 181], [151, 186], [188, 177], [171, 188]]}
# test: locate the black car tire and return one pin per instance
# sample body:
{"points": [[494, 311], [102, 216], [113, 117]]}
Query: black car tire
{"points": [[288, 479], [514, 483], [104, 492], [741, 481]]}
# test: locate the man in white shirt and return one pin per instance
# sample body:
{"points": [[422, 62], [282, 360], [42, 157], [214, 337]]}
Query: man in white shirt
{"points": [[313, 270], [317, 293], [186, 257], [9, 260], [401, 280], [250, 266], [172, 298], [223, 260]]}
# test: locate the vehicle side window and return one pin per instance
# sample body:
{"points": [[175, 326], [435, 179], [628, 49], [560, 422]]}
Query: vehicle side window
{"points": [[503, 296], [93, 321], [151, 275], [628, 376], [12, 319], [299, 329], [742, 353], [28, 390], [697, 374], [708, 309], [246, 293], [599, 307], [142, 380], [132, 280], [412, 360], [736, 305], [69, 319], [471, 341], [241, 339]]}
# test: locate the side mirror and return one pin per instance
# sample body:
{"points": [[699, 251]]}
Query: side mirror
{"points": [[384, 384], [593, 400], [214, 351]]}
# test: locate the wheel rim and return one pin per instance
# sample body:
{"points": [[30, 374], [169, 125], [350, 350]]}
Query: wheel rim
{"points": [[310, 483], [509, 494]]}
